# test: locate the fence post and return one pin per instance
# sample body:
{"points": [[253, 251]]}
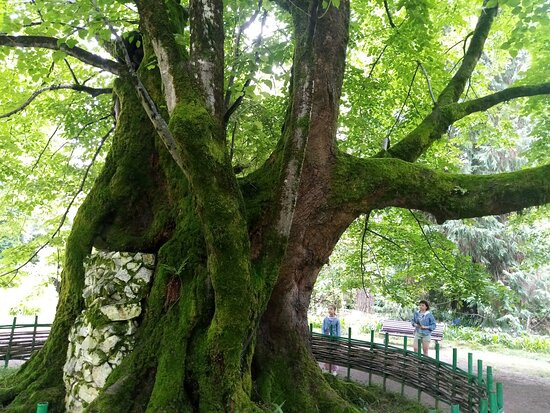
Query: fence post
{"points": [[404, 363], [8, 353], [479, 372], [455, 361], [371, 347], [493, 405], [386, 341], [349, 352], [489, 380], [419, 355], [455, 408], [310, 329], [500, 396], [34, 333], [438, 364], [470, 379], [483, 406]]}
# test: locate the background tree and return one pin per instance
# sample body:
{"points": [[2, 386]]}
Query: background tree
{"points": [[249, 249]]}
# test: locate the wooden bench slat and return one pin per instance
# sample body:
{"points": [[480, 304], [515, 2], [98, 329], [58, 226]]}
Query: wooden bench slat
{"points": [[405, 329]]}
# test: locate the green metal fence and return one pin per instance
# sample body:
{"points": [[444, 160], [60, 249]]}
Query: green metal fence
{"points": [[19, 341], [470, 391]]}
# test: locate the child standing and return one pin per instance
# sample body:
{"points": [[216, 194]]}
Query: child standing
{"points": [[331, 327]]}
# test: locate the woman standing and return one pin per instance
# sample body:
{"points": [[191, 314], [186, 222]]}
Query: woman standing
{"points": [[424, 323]]}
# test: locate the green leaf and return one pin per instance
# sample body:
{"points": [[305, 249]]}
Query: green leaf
{"points": [[71, 42], [58, 55]]}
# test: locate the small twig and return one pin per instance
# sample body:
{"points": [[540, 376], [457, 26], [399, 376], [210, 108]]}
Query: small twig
{"points": [[466, 40], [456, 64], [361, 254], [46, 146], [376, 61], [404, 103], [237, 51], [428, 81], [388, 14], [429, 243], [71, 70], [239, 100], [80, 88], [85, 126], [460, 41], [64, 216], [385, 238]]}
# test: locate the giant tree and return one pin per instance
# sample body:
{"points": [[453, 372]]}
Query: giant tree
{"points": [[225, 325]]}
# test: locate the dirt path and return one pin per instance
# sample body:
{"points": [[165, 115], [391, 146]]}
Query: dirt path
{"points": [[525, 378]]}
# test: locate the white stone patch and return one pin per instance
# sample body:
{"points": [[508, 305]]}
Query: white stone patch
{"points": [[121, 312], [109, 344], [144, 274], [103, 334], [133, 266], [123, 275], [100, 374], [88, 393]]}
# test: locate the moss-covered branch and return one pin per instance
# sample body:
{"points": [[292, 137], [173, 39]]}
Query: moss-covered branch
{"points": [[207, 51], [456, 86], [380, 183], [460, 110], [412, 146], [162, 24]]}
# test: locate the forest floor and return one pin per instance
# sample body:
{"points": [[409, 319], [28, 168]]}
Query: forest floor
{"points": [[525, 377]]}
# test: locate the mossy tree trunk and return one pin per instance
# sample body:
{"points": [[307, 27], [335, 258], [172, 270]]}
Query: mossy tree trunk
{"points": [[225, 322]]}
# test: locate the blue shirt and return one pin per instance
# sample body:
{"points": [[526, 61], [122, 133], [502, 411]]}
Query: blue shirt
{"points": [[331, 326], [427, 319]]}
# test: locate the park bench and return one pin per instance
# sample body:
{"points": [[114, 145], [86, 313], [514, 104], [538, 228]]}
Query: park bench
{"points": [[405, 329]]}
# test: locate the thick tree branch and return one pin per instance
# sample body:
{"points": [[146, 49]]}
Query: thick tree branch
{"points": [[380, 183], [460, 110], [159, 123], [53, 44], [438, 121], [207, 51], [456, 86], [79, 88], [412, 146]]}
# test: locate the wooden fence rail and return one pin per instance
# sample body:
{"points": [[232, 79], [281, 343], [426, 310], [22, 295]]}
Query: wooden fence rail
{"points": [[443, 381], [19, 341]]}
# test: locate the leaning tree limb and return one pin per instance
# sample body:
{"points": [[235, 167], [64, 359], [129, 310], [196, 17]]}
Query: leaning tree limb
{"points": [[52, 43], [388, 182], [455, 87], [461, 110], [412, 146]]}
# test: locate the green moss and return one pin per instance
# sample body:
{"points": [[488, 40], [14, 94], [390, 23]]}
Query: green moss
{"points": [[373, 398]]}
